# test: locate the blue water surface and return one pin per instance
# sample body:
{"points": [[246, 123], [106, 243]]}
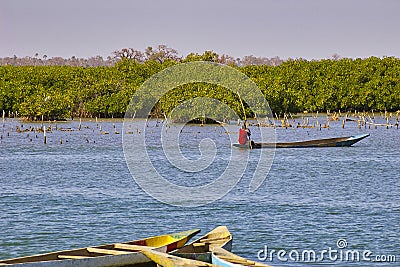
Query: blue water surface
{"points": [[80, 193]]}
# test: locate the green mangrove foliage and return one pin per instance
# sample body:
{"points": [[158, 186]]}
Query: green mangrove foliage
{"points": [[57, 92]]}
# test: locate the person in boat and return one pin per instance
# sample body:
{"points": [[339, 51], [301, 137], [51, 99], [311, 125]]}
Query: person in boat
{"points": [[244, 135]]}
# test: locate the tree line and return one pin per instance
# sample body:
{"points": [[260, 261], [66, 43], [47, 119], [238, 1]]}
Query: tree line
{"points": [[62, 91], [159, 53]]}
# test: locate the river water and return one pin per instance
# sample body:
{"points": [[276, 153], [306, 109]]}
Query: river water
{"points": [[80, 193]]}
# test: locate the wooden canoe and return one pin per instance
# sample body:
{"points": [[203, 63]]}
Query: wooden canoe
{"points": [[224, 258], [201, 248], [168, 260], [328, 142], [118, 254]]}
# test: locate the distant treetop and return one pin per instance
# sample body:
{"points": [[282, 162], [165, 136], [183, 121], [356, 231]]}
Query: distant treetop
{"points": [[159, 53]]}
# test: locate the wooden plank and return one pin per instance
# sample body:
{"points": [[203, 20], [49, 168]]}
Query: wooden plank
{"points": [[167, 260], [223, 255], [107, 251], [232, 260], [208, 240], [163, 241], [131, 247], [72, 257], [235, 257]]}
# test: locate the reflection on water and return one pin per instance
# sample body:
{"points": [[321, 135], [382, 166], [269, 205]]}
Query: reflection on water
{"points": [[80, 193]]}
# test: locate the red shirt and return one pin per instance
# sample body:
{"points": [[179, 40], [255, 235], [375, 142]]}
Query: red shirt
{"points": [[242, 136]]}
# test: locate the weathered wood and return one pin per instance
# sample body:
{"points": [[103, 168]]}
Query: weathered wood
{"points": [[207, 240], [233, 260], [218, 237], [225, 258], [106, 251], [239, 260], [93, 256], [131, 247], [73, 257], [167, 260]]}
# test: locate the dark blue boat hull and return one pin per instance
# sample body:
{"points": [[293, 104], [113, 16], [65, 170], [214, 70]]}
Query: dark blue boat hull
{"points": [[329, 142]]}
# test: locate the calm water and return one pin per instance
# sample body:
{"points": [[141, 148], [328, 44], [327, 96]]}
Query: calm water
{"points": [[80, 193]]}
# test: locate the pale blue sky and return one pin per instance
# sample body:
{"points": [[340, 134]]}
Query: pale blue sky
{"points": [[311, 29]]}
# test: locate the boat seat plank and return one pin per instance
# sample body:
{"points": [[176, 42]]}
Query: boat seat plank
{"points": [[208, 240], [131, 247], [107, 251], [75, 257], [236, 260], [242, 262]]}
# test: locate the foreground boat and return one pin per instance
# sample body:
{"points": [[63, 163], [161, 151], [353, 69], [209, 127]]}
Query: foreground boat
{"points": [[224, 258], [201, 248], [212, 248], [168, 260], [118, 254], [329, 142]]}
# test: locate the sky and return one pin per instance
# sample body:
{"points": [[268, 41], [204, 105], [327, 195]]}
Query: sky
{"points": [[309, 29]]}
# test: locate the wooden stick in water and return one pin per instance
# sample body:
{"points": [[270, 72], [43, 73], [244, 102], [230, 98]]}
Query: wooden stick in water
{"points": [[44, 135]]}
